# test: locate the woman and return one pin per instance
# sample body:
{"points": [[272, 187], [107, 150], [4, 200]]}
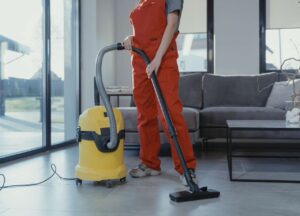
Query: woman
{"points": [[155, 28]]}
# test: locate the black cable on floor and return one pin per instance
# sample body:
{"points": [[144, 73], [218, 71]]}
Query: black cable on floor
{"points": [[53, 168]]}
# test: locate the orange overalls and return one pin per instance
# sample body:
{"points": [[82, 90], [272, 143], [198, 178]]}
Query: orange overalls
{"points": [[149, 22]]}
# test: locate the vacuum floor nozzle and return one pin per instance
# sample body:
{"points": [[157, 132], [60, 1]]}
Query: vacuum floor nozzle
{"points": [[183, 196]]}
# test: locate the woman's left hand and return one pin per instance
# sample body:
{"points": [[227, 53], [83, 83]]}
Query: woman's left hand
{"points": [[153, 66]]}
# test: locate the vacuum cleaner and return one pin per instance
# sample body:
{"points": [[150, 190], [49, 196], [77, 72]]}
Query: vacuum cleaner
{"points": [[100, 135]]}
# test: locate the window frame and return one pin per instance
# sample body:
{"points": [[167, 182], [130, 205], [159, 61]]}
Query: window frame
{"points": [[262, 36]]}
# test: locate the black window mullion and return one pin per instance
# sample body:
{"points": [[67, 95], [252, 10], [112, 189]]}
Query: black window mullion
{"points": [[262, 36], [46, 89], [210, 36], [78, 21]]}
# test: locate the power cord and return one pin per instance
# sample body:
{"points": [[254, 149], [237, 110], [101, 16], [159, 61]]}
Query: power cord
{"points": [[53, 168]]}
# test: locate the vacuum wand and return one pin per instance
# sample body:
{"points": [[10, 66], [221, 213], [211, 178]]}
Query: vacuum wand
{"points": [[195, 193]]}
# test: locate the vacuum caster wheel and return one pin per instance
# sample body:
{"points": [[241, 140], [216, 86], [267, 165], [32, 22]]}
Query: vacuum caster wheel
{"points": [[123, 180], [78, 182], [109, 184]]}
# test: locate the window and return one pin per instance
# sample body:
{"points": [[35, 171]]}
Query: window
{"points": [[192, 49], [29, 112], [282, 33], [192, 41]]}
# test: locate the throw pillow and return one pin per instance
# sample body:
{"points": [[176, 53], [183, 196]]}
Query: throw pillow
{"points": [[282, 92]]}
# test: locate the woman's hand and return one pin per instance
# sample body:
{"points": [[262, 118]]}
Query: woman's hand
{"points": [[153, 66], [127, 43]]}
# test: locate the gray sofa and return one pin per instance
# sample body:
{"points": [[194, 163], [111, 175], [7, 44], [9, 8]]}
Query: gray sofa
{"points": [[209, 100]]}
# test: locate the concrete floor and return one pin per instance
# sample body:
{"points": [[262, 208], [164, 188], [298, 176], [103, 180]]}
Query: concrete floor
{"points": [[148, 196]]}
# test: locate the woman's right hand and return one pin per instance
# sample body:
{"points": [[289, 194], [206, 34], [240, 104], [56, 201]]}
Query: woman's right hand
{"points": [[127, 43]]}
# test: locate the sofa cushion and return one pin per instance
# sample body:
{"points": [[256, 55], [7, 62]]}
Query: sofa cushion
{"points": [[250, 90], [282, 92], [217, 116], [190, 90], [190, 115]]}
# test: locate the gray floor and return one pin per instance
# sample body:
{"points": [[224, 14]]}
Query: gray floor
{"points": [[149, 196]]}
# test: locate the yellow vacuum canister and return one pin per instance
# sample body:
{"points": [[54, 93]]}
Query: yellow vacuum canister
{"points": [[95, 162]]}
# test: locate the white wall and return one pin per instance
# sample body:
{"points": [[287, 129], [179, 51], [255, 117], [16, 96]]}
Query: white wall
{"points": [[236, 26], [97, 31], [123, 28]]}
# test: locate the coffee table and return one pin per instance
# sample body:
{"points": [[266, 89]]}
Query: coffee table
{"points": [[256, 125]]}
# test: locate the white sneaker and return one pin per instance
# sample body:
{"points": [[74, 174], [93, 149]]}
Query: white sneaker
{"points": [[193, 175], [142, 170]]}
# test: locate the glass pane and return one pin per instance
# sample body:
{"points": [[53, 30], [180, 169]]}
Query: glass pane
{"points": [[21, 66], [192, 49], [282, 44], [64, 69]]}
